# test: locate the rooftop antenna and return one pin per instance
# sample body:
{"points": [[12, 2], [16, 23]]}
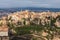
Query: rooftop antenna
{"points": [[21, 10], [48, 11]]}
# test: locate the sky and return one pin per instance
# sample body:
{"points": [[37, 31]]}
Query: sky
{"points": [[30, 3]]}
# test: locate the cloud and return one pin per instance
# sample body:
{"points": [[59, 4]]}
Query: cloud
{"points": [[30, 3]]}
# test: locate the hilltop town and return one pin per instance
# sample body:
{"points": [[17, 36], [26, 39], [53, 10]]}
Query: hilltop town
{"points": [[26, 18], [30, 16]]}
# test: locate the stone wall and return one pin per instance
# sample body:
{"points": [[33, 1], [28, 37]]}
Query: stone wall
{"points": [[4, 38]]}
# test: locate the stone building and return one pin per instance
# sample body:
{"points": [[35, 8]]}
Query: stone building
{"points": [[4, 33]]}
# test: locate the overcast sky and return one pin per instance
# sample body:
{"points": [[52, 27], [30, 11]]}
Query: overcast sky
{"points": [[30, 3]]}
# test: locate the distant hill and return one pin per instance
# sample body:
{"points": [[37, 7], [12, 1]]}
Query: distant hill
{"points": [[29, 8], [4, 11]]}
